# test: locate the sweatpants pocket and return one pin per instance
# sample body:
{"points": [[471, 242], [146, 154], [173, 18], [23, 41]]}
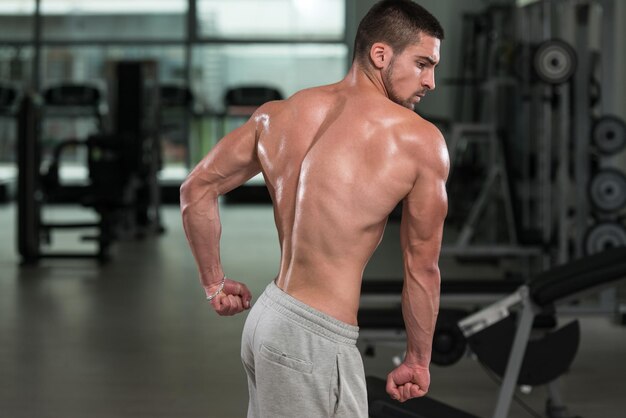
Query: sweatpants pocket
{"points": [[349, 390], [277, 356], [335, 388]]}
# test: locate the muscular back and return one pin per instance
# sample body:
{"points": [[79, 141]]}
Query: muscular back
{"points": [[336, 163], [337, 159]]}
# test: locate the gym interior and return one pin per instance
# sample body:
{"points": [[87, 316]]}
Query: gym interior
{"points": [[105, 106]]}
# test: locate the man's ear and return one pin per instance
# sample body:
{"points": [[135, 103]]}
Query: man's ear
{"points": [[380, 55]]}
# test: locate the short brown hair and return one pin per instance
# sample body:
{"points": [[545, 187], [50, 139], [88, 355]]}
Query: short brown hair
{"points": [[397, 23]]}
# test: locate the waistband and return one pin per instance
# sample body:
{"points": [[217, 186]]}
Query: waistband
{"points": [[312, 319]]}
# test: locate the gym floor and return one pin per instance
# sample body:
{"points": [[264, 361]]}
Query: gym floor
{"points": [[135, 338]]}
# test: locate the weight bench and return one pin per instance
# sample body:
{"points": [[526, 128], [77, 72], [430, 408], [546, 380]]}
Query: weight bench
{"points": [[385, 325], [500, 334]]}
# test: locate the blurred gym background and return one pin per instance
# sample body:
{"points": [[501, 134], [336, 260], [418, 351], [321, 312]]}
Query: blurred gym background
{"points": [[106, 105]]}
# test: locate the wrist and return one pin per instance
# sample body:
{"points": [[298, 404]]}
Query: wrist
{"points": [[211, 277], [214, 284], [416, 361], [212, 291]]}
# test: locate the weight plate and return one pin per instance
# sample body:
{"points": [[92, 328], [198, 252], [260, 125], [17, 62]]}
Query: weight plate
{"points": [[609, 135], [555, 61], [449, 344], [607, 190], [604, 236]]}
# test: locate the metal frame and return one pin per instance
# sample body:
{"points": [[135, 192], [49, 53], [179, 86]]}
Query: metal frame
{"points": [[582, 129], [496, 180], [519, 300]]}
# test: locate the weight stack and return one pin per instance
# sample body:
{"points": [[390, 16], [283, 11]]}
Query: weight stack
{"points": [[607, 188]]}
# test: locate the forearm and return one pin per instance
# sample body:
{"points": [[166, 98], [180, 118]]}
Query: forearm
{"points": [[420, 305], [201, 222]]}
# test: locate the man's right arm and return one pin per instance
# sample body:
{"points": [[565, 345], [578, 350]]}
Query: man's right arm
{"points": [[421, 230], [229, 164]]}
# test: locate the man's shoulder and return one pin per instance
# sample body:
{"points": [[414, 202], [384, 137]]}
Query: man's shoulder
{"points": [[423, 140], [306, 98], [415, 130], [397, 118], [313, 95]]}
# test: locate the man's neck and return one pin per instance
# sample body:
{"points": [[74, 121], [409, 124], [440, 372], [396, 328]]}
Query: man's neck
{"points": [[365, 79]]}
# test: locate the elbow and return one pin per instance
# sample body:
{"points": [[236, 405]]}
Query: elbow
{"points": [[423, 274], [431, 272], [194, 190], [421, 266], [185, 191]]}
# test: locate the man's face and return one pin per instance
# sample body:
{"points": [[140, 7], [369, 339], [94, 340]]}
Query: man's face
{"points": [[411, 73]]}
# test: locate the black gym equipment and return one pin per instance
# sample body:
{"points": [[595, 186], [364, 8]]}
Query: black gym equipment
{"points": [[426, 407], [9, 99], [500, 336], [122, 165], [136, 116], [28, 188], [107, 192], [81, 99], [607, 190], [609, 135], [545, 359], [603, 236], [554, 61], [65, 103], [252, 96]]}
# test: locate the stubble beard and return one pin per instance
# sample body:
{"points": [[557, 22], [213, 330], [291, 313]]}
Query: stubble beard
{"points": [[391, 91]]}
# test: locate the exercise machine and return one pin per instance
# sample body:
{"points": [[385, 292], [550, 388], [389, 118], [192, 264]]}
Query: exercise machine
{"points": [[135, 100], [500, 337], [122, 168], [70, 113], [106, 191]]}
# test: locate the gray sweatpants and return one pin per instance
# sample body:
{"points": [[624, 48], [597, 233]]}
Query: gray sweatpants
{"points": [[301, 362]]}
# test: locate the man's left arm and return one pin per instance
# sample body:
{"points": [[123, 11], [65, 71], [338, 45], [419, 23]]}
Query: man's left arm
{"points": [[423, 213], [228, 165]]}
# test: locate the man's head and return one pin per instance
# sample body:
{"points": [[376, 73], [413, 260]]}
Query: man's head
{"points": [[401, 39]]}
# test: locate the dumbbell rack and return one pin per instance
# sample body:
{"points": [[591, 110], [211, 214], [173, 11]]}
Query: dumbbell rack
{"points": [[583, 194]]}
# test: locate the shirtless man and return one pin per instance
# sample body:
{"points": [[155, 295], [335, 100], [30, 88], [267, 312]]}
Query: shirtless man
{"points": [[336, 159]]}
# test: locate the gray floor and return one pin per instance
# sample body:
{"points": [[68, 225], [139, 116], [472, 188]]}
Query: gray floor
{"points": [[135, 338]]}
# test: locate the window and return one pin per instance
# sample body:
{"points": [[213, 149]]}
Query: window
{"points": [[272, 19], [16, 20], [287, 67], [284, 44], [113, 19], [85, 63]]}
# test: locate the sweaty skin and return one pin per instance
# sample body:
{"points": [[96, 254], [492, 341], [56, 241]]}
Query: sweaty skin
{"points": [[337, 159]]}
